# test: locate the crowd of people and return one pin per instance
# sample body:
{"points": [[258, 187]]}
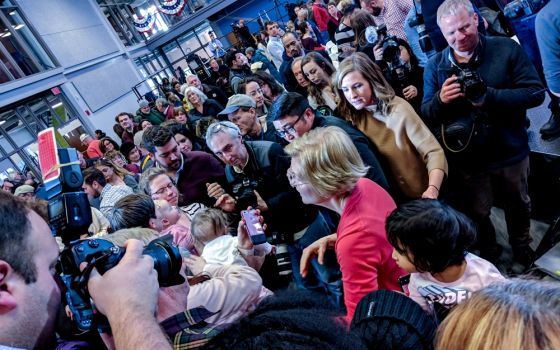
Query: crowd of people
{"points": [[371, 173]]}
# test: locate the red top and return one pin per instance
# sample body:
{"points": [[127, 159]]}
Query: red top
{"points": [[362, 249], [93, 150], [321, 16]]}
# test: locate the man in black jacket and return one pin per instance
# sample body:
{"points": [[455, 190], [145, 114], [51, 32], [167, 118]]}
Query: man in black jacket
{"points": [[482, 116], [292, 49], [257, 174], [293, 117]]}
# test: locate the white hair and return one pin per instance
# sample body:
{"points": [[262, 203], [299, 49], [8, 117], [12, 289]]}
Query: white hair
{"points": [[200, 94], [221, 127], [453, 7]]}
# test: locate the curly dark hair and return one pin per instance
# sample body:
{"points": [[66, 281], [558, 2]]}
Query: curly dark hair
{"points": [[431, 234], [156, 136]]}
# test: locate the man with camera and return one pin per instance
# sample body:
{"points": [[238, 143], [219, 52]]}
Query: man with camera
{"points": [[30, 297], [477, 92], [257, 175], [390, 13]]}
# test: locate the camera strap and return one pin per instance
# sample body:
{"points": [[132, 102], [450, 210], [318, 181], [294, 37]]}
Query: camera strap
{"points": [[460, 149]]}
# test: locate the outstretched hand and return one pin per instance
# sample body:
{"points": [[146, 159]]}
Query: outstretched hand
{"points": [[316, 249]]}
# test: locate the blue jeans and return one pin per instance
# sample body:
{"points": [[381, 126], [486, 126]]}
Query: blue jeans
{"points": [[326, 278]]}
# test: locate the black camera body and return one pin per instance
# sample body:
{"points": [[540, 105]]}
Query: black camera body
{"points": [[417, 22], [471, 85], [244, 193], [104, 255]]}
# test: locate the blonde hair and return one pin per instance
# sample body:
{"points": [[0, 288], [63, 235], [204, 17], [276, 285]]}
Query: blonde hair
{"points": [[159, 203], [208, 224], [117, 169], [330, 161], [513, 315], [380, 88], [453, 7]]}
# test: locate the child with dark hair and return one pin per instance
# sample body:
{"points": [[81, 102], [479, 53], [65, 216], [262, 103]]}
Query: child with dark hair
{"points": [[430, 240]]}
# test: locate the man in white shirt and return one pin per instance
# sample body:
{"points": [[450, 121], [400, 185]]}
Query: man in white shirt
{"points": [[274, 47]]}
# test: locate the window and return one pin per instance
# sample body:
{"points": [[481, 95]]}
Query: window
{"points": [[21, 52], [20, 124], [122, 16]]}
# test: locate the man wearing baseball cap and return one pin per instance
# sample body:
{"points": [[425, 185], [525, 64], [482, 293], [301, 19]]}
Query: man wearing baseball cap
{"points": [[26, 192], [93, 150], [241, 111]]}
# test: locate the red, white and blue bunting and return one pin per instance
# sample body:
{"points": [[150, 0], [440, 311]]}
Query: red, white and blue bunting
{"points": [[146, 23], [172, 7]]}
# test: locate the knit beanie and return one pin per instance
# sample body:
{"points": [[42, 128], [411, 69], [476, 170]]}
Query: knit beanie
{"points": [[387, 319]]}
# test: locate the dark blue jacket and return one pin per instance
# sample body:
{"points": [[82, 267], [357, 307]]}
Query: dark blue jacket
{"points": [[513, 87]]}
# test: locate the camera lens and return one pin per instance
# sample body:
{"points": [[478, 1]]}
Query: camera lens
{"points": [[167, 260], [391, 50], [283, 260]]}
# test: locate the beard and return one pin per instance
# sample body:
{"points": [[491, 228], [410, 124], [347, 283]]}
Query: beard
{"points": [[376, 11]]}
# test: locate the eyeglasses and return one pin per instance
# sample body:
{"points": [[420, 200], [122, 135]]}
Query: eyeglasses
{"points": [[170, 186], [289, 129], [258, 91], [293, 179]]}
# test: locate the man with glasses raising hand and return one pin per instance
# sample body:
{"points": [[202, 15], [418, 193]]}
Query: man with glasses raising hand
{"points": [[293, 117]]}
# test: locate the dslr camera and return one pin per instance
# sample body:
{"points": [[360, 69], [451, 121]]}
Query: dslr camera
{"points": [[103, 255], [417, 22], [244, 192], [378, 35], [471, 85], [391, 53], [69, 218]]}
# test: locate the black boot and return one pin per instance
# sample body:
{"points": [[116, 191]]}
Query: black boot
{"points": [[524, 256], [552, 126]]}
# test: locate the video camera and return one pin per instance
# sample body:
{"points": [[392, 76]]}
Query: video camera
{"points": [[69, 218], [69, 210], [234, 27]]}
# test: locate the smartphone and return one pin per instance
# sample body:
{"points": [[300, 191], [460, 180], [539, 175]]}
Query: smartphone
{"points": [[254, 227]]}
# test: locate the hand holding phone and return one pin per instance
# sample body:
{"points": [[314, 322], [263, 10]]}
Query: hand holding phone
{"points": [[254, 227]]}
